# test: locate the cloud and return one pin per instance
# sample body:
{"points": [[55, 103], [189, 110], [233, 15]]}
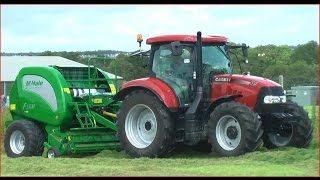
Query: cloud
{"points": [[239, 21], [73, 28], [16, 43], [193, 8], [162, 17], [122, 28]]}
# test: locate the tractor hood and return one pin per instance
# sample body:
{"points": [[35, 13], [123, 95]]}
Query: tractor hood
{"points": [[249, 80], [251, 89]]}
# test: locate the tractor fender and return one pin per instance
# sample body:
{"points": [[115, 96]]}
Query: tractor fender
{"points": [[217, 102], [158, 87]]}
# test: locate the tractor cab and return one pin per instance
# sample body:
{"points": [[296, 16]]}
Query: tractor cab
{"points": [[174, 60], [175, 70]]}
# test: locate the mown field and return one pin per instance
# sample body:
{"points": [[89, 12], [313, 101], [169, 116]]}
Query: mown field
{"points": [[184, 162]]}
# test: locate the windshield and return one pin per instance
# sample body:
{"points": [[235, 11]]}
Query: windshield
{"points": [[215, 57]]}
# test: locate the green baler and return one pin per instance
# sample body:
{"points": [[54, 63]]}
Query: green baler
{"points": [[64, 109]]}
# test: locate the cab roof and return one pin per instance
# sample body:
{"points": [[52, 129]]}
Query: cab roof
{"points": [[186, 39]]}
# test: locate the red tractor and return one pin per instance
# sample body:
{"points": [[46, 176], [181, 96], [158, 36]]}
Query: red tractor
{"points": [[191, 96]]}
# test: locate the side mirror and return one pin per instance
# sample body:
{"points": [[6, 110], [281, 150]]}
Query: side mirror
{"points": [[245, 52], [176, 48]]}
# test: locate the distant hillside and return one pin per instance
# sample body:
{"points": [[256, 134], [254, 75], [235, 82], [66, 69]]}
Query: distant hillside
{"points": [[99, 53]]}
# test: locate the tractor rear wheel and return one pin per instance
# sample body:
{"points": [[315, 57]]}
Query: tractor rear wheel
{"points": [[297, 134], [234, 129], [24, 138], [145, 127]]}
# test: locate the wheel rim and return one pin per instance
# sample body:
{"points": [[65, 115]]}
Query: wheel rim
{"points": [[50, 154], [17, 142], [228, 132], [282, 135], [141, 126]]}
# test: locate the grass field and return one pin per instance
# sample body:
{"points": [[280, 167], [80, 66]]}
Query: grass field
{"points": [[278, 162]]}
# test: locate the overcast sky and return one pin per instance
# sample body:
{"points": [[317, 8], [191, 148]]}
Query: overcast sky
{"points": [[37, 28]]}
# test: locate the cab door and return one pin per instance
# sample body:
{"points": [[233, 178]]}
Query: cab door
{"points": [[176, 71]]}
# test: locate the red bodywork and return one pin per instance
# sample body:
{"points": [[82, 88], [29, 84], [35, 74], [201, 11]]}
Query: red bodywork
{"points": [[186, 38], [245, 85], [223, 85], [157, 86]]}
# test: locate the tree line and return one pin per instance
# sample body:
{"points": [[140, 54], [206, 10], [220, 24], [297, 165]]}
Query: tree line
{"points": [[298, 64]]}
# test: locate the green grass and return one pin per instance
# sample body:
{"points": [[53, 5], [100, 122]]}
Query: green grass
{"points": [[5, 115], [281, 162], [285, 161]]}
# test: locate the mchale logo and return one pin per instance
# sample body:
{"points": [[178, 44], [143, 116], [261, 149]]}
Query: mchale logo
{"points": [[34, 83]]}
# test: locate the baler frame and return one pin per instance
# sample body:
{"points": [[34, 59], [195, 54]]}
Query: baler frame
{"points": [[92, 123]]}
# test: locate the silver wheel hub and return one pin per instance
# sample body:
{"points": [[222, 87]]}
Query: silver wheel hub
{"points": [[17, 142], [228, 132], [283, 136], [141, 126], [51, 154]]}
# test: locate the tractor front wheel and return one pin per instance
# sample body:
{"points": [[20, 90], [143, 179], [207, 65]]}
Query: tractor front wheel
{"points": [[298, 133], [234, 129], [145, 127]]}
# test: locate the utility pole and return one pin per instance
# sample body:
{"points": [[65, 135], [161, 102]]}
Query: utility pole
{"points": [[281, 80]]}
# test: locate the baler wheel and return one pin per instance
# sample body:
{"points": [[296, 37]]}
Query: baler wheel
{"points": [[53, 152], [24, 138]]}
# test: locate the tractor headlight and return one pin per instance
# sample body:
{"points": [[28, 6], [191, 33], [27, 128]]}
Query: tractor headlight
{"points": [[274, 99]]}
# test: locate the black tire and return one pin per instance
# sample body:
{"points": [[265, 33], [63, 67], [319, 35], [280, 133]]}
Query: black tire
{"points": [[27, 131], [53, 152], [41, 139], [300, 132], [235, 119], [162, 144]]}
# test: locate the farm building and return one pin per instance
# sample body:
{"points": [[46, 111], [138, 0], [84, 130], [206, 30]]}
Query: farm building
{"points": [[305, 95], [11, 65]]}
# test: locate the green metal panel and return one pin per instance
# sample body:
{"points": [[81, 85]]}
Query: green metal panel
{"points": [[113, 83], [79, 140], [104, 121], [87, 77], [38, 93]]}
